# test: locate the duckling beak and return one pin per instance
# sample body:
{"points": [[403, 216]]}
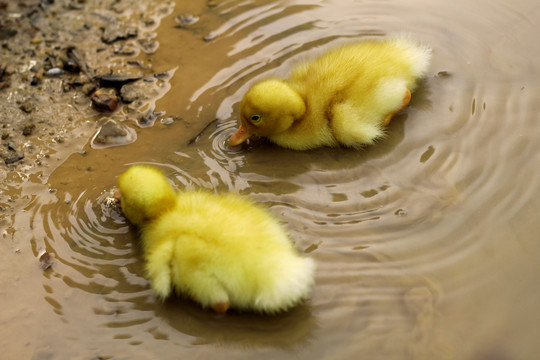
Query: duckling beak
{"points": [[239, 136], [117, 195]]}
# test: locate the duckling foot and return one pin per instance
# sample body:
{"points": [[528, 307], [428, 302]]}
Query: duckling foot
{"points": [[406, 101], [221, 307]]}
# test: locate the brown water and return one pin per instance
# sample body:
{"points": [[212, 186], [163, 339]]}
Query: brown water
{"points": [[426, 243]]}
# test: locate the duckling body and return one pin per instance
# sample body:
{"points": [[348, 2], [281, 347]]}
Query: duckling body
{"points": [[346, 96], [220, 250]]}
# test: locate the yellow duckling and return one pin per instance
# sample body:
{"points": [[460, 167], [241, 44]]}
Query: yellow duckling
{"points": [[220, 250], [345, 96]]}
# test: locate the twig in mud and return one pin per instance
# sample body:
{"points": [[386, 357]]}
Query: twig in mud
{"points": [[196, 137]]}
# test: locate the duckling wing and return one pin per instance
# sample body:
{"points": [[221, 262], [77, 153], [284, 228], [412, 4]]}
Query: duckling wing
{"points": [[197, 274], [158, 267], [168, 265], [360, 117]]}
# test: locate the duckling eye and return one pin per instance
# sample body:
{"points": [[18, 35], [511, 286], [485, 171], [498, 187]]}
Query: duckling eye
{"points": [[255, 118]]}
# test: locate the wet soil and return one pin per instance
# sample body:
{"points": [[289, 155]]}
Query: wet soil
{"points": [[68, 67]]}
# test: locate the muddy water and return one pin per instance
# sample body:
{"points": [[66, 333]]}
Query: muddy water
{"points": [[425, 243]]}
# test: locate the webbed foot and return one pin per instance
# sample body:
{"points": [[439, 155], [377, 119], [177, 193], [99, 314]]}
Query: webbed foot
{"points": [[406, 101], [221, 307]]}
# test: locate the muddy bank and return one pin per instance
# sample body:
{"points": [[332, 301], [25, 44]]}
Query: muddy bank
{"points": [[56, 58]]}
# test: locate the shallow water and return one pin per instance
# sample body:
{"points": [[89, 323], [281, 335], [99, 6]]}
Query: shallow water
{"points": [[425, 243]]}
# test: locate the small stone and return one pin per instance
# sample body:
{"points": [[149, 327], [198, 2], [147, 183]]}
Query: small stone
{"points": [[116, 80], [7, 32], [149, 46], [45, 260], [149, 22], [115, 32], [105, 99], [129, 93], [55, 71], [169, 120], [28, 129], [184, 20], [13, 158], [71, 66], [124, 49], [113, 133], [27, 106], [11, 146], [149, 118], [137, 63], [36, 79], [111, 128]]}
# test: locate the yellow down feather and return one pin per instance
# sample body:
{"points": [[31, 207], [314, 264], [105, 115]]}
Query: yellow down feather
{"points": [[215, 249], [345, 96]]}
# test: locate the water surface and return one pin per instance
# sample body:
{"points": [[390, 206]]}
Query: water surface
{"points": [[425, 243]]}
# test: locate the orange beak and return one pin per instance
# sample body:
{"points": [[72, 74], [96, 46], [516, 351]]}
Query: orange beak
{"points": [[239, 136]]}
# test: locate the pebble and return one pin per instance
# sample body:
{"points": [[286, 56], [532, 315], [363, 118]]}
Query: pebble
{"points": [[149, 118], [124, 49], [184, 20], [28, 129], [149, 46], [55, 71], [105, 99], [45, 260], [129, 93], [27, 106], [71, 66], [115, 32], [168, 120], [113, 132], [13, 158], [116, 80]]}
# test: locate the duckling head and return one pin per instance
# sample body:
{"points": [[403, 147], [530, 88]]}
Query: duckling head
{"points": [[269, 107], [145, 193]]}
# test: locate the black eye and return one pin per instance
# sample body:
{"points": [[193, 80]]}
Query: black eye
{"points": [[255, 118]]}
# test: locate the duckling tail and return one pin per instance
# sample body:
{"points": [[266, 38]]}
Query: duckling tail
{"points": [[294, 284]]}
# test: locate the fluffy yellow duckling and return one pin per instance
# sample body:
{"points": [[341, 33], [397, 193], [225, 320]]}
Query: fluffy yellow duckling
{"points": [[220, 250], [345, 96]]}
